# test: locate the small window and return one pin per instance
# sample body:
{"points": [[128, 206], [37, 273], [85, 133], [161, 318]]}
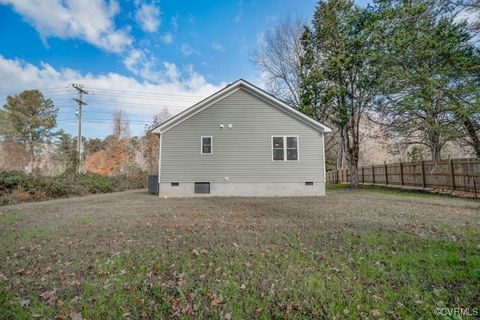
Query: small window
{"points": [[292, 148], [278, 152], [174, 184], [285, 148], [202, 187], [309, 183], [206, 145]]}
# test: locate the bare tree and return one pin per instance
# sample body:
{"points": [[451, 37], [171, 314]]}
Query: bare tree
{"points": [[161, 117], [150, 141], [278, 55], [121, 126]]}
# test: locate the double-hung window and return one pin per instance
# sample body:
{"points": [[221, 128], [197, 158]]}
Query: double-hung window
{"points": [[206, 145], [285, 148]]}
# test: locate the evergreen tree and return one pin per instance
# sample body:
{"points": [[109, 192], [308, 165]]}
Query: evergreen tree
{"points": [[339, 80], [429, 73], [28, 118]]}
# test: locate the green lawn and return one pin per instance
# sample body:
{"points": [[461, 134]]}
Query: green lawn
{"points": [[372, 253]]}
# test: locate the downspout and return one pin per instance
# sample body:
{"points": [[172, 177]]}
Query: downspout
{"points": [[159, 160], [324, 161]]}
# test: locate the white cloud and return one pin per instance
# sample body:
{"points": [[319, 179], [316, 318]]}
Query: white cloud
{"points": [[174, 23], [141, 63], [91, 21], [217, 46], [148, 17], [239, 15], [187, 49], [167, 38], [177, 89]]}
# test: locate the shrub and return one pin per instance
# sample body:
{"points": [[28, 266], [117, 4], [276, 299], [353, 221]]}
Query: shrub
{"points": [[96, 183], [54, 187], [10, 180], [17, 186]]}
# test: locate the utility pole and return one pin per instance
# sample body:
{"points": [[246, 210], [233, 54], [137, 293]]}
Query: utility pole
{"points": [[81, 103]]}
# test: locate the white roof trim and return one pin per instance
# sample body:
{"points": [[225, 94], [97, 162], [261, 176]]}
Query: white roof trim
{"points": [[259, 93]]}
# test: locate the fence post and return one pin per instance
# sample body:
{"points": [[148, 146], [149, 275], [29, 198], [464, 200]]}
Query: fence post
{"points": [[452, 175], [373, 174], [475, 187], [363, 175], [401, 174], [386, 174], [422, 165]]}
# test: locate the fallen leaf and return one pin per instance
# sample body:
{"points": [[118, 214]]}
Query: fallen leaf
{"points": [[217, 302], [76, 316], [24, 303], [375, 313], [47, 295]]}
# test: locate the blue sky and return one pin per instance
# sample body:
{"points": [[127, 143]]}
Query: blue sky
{"points": [[137, 56]]}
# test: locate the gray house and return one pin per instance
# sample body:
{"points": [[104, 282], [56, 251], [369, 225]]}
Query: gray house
{"points": [[241, 141]]}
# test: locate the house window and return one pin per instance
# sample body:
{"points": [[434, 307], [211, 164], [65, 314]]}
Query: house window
{"points": [[206, 145], [285, 148]]}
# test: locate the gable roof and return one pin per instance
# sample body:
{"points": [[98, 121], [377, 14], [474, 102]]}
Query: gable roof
{"points": [[240, 84]]}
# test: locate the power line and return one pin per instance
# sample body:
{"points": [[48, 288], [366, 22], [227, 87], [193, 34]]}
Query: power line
{"points": [[148, 93]]}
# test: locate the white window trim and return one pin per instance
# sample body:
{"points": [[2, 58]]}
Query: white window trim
{"points": [[285, 146], [211, 145]]}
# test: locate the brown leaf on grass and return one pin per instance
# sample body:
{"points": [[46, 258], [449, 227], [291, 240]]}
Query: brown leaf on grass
{"points": [[258, 310], [199, 252], [217, 302], [375, 313], [47, 295], [24, 272], [24, 303], [74, 283], [76, 316]]}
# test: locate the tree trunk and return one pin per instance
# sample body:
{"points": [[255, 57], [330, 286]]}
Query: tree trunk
{"points": [[474, 137], [436, 150], [33, 161], [354, 179], [435, 147], [351, 153]]}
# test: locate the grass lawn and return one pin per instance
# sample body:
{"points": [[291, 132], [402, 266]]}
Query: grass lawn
{"points": [[371, 253]]}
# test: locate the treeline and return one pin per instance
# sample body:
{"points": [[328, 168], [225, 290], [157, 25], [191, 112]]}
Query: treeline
{"points": [[410, 67], [30, 142], [38, 162]]}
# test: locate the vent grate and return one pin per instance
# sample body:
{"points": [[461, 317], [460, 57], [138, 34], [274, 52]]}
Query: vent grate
{"points": [[202, 187]]}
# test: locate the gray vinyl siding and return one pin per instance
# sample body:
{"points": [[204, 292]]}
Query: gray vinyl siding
{"points": [[243, 153]]}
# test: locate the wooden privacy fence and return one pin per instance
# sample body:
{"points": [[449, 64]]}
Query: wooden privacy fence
{"points": [[453, 174]]}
